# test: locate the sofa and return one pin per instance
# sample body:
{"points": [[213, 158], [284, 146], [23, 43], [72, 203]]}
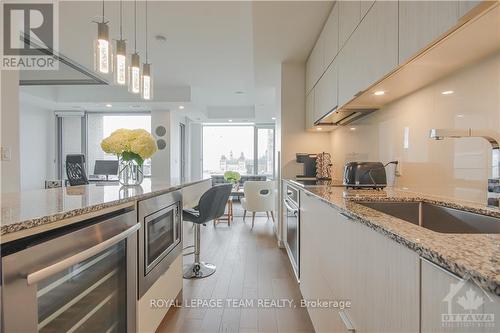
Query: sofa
{"points": [[219, 179]]}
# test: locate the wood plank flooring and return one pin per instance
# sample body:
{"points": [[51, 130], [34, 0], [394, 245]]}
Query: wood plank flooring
{"points": [[249, 266]]}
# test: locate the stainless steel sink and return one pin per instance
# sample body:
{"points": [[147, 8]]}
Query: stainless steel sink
{"points": [[438, 218]]}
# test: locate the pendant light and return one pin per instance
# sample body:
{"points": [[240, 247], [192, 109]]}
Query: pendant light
{"points": [[146, 79], [102, 47], [134, 73], [120, 58]]}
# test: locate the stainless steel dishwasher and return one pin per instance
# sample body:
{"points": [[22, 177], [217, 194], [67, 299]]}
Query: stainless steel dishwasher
{"points": [[291, 214], [79, 278]]}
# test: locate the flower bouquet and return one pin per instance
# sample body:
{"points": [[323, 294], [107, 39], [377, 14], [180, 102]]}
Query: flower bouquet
{"points": [[131, 147]]}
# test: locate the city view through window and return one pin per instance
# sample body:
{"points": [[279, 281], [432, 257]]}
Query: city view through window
{"points": [[232, 148]]}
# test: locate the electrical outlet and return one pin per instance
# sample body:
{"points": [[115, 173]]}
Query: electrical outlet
{"points": [[6, 154]]}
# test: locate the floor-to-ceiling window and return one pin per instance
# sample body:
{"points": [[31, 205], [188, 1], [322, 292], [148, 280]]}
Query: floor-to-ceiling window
{"points": [[84, 134], [247, 149]]}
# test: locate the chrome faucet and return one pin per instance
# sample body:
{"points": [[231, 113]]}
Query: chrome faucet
{"points": [[493, 138]]}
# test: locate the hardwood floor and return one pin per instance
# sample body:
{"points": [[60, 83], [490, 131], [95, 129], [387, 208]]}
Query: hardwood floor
{"points": [[250, 267]]}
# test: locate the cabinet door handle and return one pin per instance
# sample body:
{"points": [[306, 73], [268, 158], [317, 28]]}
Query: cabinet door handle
{"points": [[347, 321]]}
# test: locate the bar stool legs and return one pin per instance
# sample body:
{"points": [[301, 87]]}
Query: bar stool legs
{"points": [[198, 269]]}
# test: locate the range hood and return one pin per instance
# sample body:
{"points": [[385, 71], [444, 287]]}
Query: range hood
{"points": [[343, 116], [69, 72]]}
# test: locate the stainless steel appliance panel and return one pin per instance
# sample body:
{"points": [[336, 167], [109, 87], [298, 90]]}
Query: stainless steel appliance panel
{"points": [[160, 238], [81, 280], [291, 203]]}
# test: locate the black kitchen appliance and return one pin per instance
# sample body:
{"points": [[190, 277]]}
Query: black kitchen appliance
{"points": [[364, 175], [309, 164]]}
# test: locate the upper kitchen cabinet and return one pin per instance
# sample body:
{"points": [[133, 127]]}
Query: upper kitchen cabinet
{"points": [[326, 92], [314, 65], [349, 17], [371, 52], [421, 22], [331, 37], [365, 7], [465, 6], [310, 109]]}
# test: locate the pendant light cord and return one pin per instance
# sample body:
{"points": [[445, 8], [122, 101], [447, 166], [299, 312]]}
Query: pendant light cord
{"points": [[121, 17], [135, 26], [102, 11], [146, 31]]}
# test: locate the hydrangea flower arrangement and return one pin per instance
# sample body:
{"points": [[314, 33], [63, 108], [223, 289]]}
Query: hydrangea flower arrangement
{"points": [[130, 145]]}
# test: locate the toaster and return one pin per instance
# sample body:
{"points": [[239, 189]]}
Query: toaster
{"points": [[364, 175]]}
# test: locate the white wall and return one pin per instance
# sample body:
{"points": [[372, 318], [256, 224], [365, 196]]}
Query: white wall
{"points": [[9, 112], [37, 143], [294, 138]]}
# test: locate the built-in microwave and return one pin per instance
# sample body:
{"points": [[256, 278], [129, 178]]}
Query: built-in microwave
{"points": [[160, 238]]}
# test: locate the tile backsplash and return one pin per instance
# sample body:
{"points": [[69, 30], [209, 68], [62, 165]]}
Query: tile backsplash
{"points": [[400, 131]]}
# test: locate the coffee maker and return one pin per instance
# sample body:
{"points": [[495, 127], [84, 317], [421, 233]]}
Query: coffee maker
{"points": [[309, 165]]}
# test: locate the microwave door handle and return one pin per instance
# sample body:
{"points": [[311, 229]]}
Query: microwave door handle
{"points": [[43, 273], [287, 205]]}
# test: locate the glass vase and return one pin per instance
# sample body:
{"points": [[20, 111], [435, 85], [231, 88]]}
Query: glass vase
{"points": [[130, 173]]}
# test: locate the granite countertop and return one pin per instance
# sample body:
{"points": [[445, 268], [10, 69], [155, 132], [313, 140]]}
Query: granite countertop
{"points": [[470, 256], [30, 209]]}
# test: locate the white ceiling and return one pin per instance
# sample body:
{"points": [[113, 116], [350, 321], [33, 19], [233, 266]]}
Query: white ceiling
{"points": [[213, 50]]}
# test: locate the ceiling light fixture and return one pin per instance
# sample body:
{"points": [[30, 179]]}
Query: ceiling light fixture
{"points": [[352, 128], [147, 80], [239, 92], [230, 120], [181, 107], [120, 58], [319, 129], [134, 73], [109, 105], [273, 118], [379, 93], [102, 48], [447, 92]]}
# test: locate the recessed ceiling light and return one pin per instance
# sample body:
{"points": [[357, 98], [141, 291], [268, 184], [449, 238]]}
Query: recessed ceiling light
{"points": [[239, 92], [447, 92], [379, 93], [108, 105], [460, 115], [273, 118], [181, 107], [318, 129], [230, 120], [352, 128]]}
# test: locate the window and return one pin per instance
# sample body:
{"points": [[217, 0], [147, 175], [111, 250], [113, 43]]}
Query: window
{"points": [[101, 125], [247, 149], [83, 133]]}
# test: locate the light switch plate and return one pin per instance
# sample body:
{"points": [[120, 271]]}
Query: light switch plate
{"points": [[6, 154]]}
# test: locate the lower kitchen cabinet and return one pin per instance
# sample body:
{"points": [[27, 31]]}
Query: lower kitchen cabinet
{"points": [[346, 260], [444, 296]]}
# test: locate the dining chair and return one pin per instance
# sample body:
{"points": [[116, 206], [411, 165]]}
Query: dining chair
{"points": [[260, 196], [75, 169]]}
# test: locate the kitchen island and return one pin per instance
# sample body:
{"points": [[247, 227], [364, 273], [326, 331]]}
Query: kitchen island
{"points": [[93, 257], [397, 275]]}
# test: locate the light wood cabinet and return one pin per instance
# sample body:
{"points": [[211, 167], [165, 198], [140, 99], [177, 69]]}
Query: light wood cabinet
{"points": [[331, 36], [440, 296], [421, 22], [349, 17], [372, 51], [353, 262]]}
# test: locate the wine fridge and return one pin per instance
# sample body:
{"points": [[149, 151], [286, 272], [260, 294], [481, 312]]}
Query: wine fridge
{"points": [[79, 278]]}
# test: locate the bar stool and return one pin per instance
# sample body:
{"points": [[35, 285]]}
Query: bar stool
{"points": [[211, 206]]}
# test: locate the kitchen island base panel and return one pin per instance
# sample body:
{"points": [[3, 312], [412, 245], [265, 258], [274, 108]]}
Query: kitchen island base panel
{"points": [[154, 305]]}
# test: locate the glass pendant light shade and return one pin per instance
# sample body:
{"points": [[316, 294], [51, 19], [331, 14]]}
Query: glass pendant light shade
{"points": [[120, 62], [134, 74], [147, 82], [102, 50]]}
